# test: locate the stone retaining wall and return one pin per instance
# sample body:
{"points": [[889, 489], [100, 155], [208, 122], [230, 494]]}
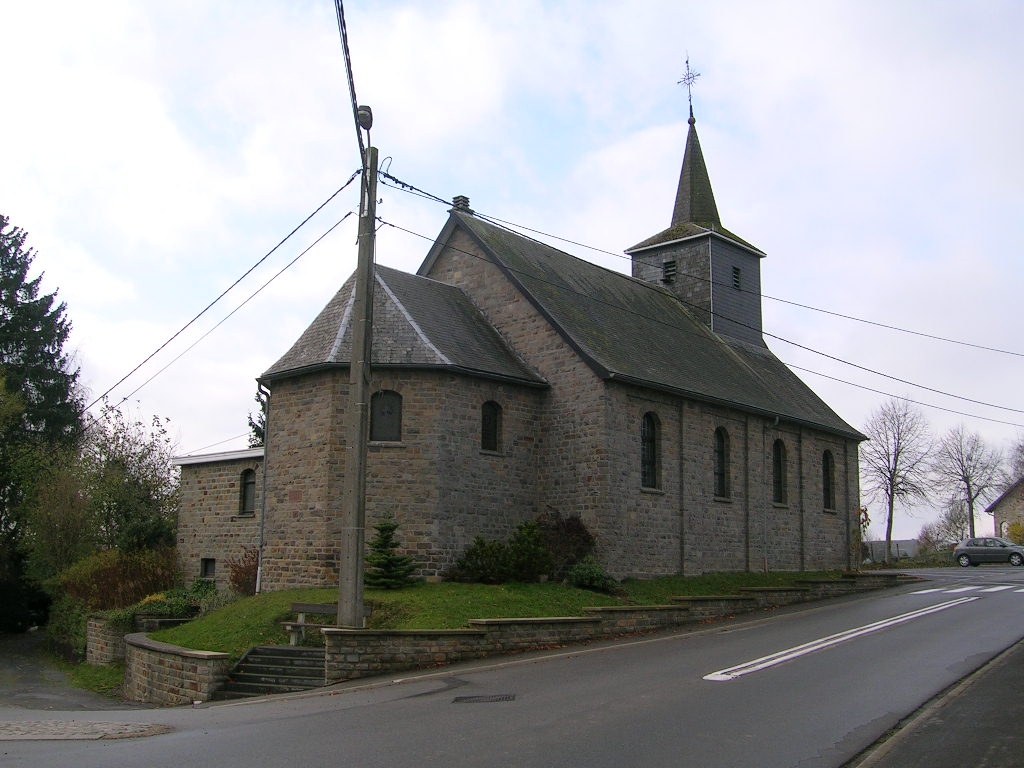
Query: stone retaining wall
{"points": [[357, 653], [160, 673], [104, 644]]}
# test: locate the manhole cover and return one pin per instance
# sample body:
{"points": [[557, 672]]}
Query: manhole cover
{"points": [[484, 699]]}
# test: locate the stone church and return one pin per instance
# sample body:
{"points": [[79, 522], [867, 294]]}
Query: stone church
{"points": [[510, 379]]}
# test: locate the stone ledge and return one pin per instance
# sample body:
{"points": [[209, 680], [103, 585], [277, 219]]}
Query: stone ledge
{"points": [[532, 621], [141, 640], [611, 609], [346, 631]]}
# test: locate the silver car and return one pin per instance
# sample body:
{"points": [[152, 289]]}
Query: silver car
{"points": [[988, 550]]}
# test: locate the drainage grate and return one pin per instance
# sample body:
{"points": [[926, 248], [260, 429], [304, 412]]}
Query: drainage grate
{"points": [[484, 699]]}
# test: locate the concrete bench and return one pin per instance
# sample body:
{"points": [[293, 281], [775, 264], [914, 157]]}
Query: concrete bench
{"points": [[297, 629]]}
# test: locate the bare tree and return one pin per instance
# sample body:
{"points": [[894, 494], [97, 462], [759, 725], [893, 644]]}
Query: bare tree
{"points": [[1016, 459], [967, 469], [952, 526], [894, 460]]}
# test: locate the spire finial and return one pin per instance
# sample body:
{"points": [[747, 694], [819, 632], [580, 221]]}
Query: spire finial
{"points": [[688, 80]]}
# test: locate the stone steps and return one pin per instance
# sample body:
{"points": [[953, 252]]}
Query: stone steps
{"points": [[266, 670]]}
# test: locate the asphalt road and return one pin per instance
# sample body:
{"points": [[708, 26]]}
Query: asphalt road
{"points": [[809, 687]]}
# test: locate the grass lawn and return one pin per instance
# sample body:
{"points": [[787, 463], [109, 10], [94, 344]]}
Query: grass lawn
{"points": [[257, 620]]}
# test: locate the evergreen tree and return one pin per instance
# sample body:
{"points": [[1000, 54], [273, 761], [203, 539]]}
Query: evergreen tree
{"points": [[40, 409], [258, 423], [33, 331], [386, 568]]}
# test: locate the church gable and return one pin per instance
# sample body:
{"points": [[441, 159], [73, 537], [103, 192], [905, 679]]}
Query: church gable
{"points": [[417, 322]]}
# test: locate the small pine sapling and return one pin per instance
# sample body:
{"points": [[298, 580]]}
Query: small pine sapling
{"points": [[386, 569]]}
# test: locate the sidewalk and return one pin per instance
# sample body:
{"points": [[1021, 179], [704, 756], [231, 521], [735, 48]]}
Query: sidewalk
{"points": [[977, 723]]}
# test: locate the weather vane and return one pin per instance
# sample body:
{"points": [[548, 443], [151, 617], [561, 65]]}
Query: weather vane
{"points": [[688, 80]]}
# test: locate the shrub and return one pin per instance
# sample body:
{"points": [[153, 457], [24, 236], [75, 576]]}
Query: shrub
{"points": [[484, 561], [529, 558], [386, 568], [215, 600], [66, 627], [588, 573], [567, 539], [243, 570], [1015, 533], [113, 579]]}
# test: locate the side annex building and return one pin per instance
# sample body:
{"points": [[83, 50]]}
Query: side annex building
{"points": [[512, 379]]}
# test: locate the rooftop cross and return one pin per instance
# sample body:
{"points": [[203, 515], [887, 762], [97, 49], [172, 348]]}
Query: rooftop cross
{"points": [[688, 80]]}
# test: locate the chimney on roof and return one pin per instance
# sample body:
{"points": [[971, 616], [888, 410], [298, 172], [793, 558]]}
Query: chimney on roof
{"points": [[461, 203]]}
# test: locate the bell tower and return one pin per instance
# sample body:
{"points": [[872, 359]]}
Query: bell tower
{"points": [[716, 274]]}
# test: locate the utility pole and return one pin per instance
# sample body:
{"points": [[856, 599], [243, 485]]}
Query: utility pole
{"points": [[353, 514]]}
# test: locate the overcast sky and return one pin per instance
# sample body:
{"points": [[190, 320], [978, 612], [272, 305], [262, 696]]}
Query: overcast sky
{"points": [[155, 152]]}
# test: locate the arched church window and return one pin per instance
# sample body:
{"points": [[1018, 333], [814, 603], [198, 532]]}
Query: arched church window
{"points": [[721, 463], [386, 416], [490, 426], [650, 451], [779, 491], [828, 481], [247, 496]]}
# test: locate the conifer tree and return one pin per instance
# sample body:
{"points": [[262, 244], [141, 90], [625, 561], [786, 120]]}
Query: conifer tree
{"points": [[40, 408], [386, 569], [40, 403]]}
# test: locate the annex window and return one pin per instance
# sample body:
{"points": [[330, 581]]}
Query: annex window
{"points": [[207, 568], [650, 451], [490, 426], [386, 416], [247, 497], [736, 275], [721, 463], [668, 272], [828, 481], [779, 495]]}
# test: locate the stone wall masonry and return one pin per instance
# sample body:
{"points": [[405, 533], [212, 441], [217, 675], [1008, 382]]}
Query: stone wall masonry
{"points": [[104, 644], [160, 673], [1007, 509], [211, 524], [573, 465], [435, 482], [358, 653]]}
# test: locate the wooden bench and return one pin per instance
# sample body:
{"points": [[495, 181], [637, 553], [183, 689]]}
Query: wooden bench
{"points": [[297, 629]]}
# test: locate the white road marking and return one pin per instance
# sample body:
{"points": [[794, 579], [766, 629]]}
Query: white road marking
{"points": [[961, 589], [998, 588], [774, 659], [927, 591]]}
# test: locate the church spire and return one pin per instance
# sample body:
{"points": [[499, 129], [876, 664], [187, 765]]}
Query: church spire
{"points": [[695, 201]]}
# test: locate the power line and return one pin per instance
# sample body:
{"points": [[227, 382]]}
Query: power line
{"points": [[661, 322], [236, 309], [409, 188], [224, 293], [765, 295], [888, 376], [902, 397]]}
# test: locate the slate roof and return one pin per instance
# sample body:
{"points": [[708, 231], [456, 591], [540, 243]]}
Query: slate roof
{"points": [[418, 322], [695, 211], [641, 333]]}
